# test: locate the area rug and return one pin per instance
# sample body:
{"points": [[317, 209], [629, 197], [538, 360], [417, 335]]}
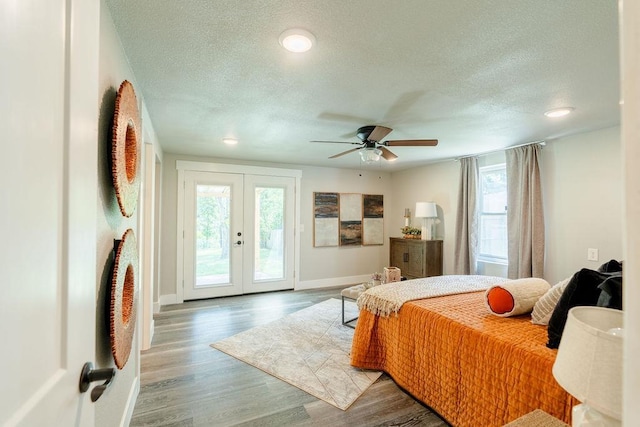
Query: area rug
{"points": [[308, 349]]}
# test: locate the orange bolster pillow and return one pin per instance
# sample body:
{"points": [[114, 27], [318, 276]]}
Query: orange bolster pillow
{"points": [[515, 297]]}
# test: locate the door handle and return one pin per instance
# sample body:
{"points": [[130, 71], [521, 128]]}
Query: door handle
{"points": [[89, 375]]}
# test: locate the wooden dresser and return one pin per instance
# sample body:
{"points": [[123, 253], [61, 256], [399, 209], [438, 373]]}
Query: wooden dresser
{"points": [[416, 258]]}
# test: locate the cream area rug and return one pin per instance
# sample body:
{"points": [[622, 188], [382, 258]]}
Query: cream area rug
{"points": [[308, 349]]}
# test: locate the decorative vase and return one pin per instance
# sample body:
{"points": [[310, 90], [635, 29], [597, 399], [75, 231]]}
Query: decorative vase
{"points": [[376, 282]]}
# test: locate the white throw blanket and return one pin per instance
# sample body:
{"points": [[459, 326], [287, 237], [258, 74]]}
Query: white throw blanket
{"points": [[385, 299]]}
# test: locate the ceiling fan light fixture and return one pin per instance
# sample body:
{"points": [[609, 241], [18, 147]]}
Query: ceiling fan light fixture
{"points": [[559, 112], [370, 155], [297, 40]]}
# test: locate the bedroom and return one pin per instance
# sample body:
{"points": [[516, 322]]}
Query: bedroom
{"points": [[401, 189]]}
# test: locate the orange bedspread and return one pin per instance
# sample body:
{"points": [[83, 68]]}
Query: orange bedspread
{"points": [[471, 367]]}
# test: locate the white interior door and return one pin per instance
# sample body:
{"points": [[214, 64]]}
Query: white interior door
{"points": [[238, 234], [269, 233], [48, 116], [213, 234]]}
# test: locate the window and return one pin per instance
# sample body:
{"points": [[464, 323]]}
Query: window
{"points": [[493, 214]]}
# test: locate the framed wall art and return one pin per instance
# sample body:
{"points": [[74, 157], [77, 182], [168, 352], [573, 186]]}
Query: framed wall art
{"points": [[372, 219], [326, 221], [347, 219], [350, 219]]}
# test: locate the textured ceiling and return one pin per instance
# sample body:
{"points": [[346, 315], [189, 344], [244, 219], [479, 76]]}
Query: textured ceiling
{"points": [[477, 75]]}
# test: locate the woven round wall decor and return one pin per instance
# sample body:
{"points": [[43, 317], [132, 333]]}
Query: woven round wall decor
{"points": [[124, 296], [125, 149]]}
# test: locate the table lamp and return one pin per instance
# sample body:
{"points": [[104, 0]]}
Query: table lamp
{"points": [[589, 365], [427, 211]]}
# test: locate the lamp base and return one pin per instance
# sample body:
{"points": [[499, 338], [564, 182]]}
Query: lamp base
{"points": [[585, 416], [425, 234], [427, 229]]}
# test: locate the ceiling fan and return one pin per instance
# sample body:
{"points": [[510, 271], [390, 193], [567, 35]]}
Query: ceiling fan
{"points": [[371, 148]]}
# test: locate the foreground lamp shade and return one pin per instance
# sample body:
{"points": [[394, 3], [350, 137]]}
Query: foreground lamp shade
{"points": [[124, 297], [125, 149], [589, 360]]}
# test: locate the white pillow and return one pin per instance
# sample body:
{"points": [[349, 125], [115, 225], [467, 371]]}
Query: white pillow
{"points": [[515, 297], [543, 309]]}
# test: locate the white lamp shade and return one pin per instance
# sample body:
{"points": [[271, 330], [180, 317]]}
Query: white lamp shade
{"points": [[589, 360], [426, 210]]}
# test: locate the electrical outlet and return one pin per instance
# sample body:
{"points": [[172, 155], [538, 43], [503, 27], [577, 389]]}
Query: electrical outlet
{"points": [[592, 254]]}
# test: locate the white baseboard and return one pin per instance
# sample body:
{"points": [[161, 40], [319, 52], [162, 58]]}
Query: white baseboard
{"points": [[156, 307], [168, 299], [131, 403], [332, 282]]}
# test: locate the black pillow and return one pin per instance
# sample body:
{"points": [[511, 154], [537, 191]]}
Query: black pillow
{"points": [[611, 295], [582, 289], [612, 266]]}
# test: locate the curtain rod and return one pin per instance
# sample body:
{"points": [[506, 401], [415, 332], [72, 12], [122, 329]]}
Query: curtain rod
{"points": [[541, 142]]}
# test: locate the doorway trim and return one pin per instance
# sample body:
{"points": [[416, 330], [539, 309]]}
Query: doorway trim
{"points": [[186, 165]]}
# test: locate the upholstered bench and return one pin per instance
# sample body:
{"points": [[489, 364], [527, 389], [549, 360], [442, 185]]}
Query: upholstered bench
{"points": [[351, 293]]}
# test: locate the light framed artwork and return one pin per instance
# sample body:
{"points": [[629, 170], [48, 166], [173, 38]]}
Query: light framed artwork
{"points": [[326, 220], [372, 219], [350, 219]]}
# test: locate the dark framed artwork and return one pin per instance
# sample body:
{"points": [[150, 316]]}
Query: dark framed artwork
{"points": [[350, 219], [347, 219], [326, 219], [372, 219]]}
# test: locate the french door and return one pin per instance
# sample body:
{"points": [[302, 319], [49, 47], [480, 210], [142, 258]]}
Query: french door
{"points": [[238, 234]]}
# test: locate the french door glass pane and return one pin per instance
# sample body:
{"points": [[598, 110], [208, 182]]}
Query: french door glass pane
{"points": [[212, 234], [269, 243]]}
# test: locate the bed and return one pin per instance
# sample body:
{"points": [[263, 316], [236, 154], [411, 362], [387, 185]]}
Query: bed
{"points": [[469, 366]]}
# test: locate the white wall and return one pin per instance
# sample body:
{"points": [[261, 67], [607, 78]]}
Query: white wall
{"points": [[578, 173], [582, 191], [325, 266], [319, 267], [437, 183], [116, 405]]}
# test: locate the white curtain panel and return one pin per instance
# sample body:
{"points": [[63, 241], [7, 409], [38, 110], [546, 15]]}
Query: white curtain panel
{"points": [[525, 219], [466, 247]]}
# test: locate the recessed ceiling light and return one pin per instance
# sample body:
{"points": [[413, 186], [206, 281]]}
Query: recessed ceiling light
{"points": [[559, 112], [297, 40], [230, 141]]}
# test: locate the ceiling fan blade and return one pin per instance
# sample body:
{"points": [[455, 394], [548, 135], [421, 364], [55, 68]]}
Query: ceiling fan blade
{"points": [[340, 142], [412, 143], [387, 154], [344, 152], [378, 133]]}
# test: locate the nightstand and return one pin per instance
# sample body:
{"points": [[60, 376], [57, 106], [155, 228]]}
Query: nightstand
{"points": [[537, 418], [416, 258]]}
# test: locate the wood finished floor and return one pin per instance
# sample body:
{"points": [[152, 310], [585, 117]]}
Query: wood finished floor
{"points": [[185, 382]]}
